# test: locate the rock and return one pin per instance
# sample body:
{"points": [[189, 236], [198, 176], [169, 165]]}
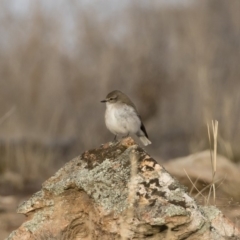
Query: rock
{"points": [[117, 192], [198, 167]]}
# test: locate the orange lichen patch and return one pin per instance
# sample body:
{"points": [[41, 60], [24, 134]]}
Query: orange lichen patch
{"points": [[224, 226], [176, 220], [158, 167], [148, 164], [116, 166], [106, 145], [93, 156], [143, 201], [22, 234], [127, 142]]}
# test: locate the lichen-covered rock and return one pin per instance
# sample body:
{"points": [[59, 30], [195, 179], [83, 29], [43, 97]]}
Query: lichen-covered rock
{"points": [[117, 192]]}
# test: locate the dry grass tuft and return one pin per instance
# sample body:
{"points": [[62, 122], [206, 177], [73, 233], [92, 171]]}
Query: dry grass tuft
{"points": [[213, 158], [213, 139]]}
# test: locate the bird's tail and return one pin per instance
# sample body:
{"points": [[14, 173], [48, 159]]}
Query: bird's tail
{"points": [[145, 140], [143, 136]]}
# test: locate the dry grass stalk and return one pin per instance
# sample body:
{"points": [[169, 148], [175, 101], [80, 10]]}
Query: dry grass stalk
{"points": [[193, 184], [131, 197], [7, 115], [213, 157], [213, 154]]}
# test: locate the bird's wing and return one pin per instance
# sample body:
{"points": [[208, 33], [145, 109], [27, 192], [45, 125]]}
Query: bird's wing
{"points": [[144, 129]]}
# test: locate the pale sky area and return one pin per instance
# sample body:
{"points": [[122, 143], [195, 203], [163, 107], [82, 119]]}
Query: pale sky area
{"points": [[21, 6]]}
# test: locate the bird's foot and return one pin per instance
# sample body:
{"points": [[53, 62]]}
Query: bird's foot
{"points": [[115, 139], [125, 136]]}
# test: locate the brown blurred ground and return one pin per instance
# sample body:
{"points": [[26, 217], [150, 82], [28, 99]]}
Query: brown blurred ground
{"points": [[180, 64]]}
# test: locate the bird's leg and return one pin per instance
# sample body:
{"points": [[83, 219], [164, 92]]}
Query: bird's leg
{"points": [[126, 136], [115, 138]]}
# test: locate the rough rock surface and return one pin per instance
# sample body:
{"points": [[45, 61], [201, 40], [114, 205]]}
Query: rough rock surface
{"points": [[118, 192]]}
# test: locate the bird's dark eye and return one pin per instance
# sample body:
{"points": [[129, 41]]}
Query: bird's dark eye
{"points": [[111, 98]]}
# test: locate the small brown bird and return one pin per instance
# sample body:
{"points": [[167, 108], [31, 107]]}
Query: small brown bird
{"points": [[122, 118]]}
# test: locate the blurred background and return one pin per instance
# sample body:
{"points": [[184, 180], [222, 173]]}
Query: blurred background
{"points": [[178, 60]]}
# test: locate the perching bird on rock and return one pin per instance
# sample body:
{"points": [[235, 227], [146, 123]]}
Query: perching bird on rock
{"points": [[122, 118]]}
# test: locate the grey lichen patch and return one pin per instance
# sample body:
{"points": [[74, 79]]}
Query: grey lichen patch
{"points": [[97, 156], [174, 210], [168, 215], [60, 186], [210, 212], [38, 219], [163, 214], [36, 201], [176, 197], [202, 225], [158, 221], [62, 174], [64, 178], [106, 183], [165, 179], [174, 185], [11, 236]]}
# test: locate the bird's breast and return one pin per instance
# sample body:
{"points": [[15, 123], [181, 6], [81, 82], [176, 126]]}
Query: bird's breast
{"points": [[122, 119]]}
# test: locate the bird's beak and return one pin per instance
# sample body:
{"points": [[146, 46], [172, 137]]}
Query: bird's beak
{"points": [[104, 100]]}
